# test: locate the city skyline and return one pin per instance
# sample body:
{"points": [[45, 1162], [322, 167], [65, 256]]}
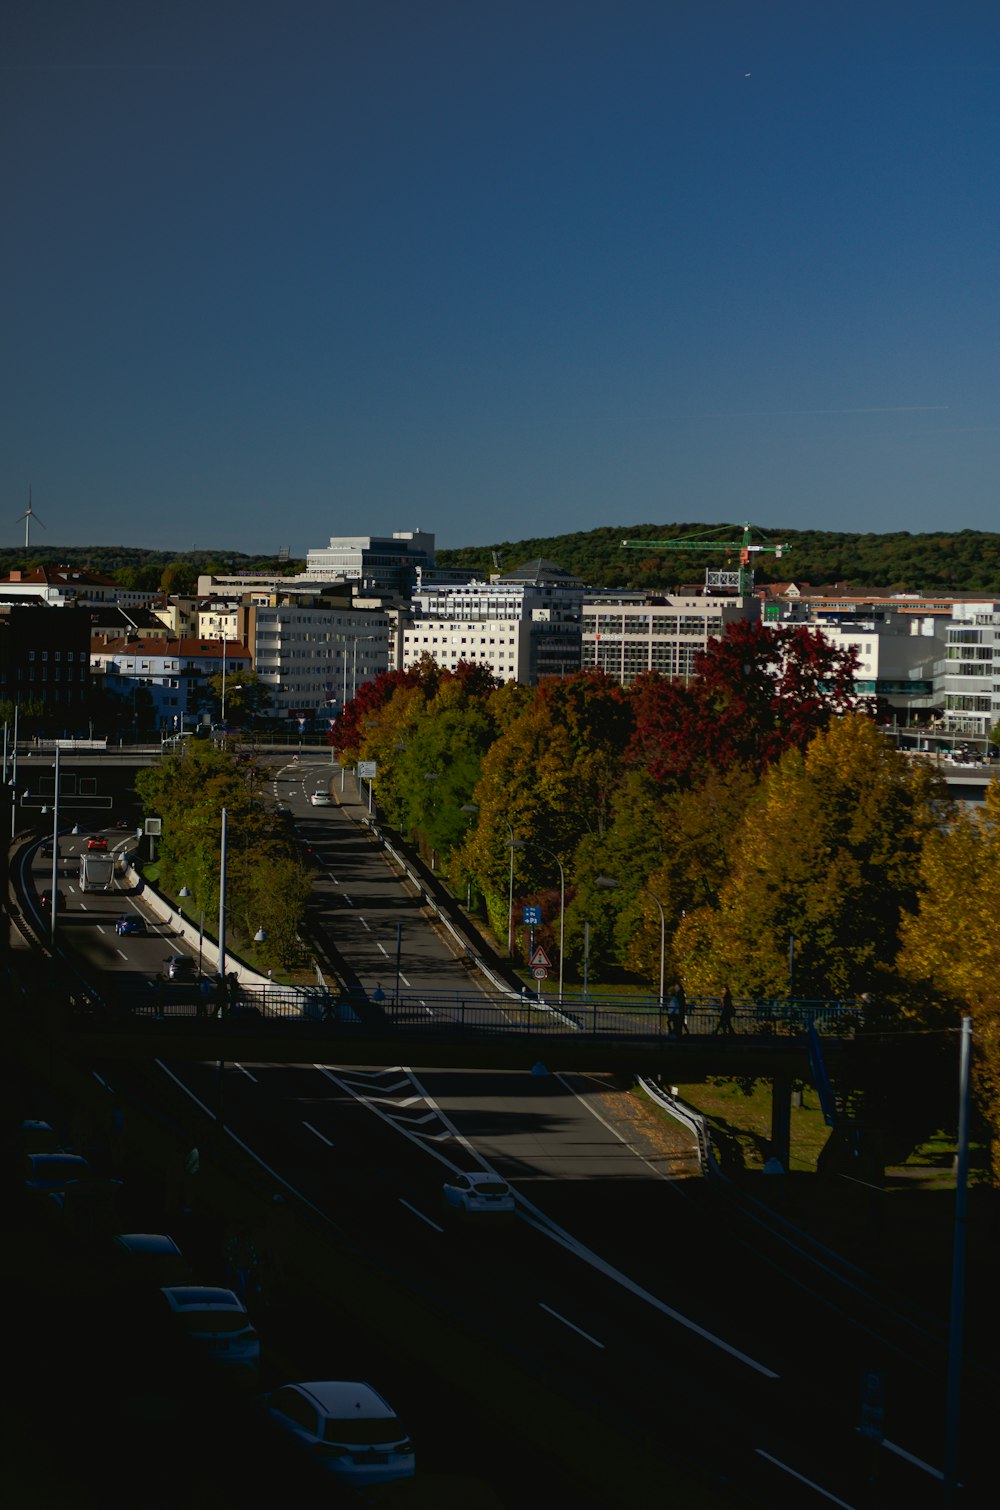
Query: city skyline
{"points": [[280, 273]]}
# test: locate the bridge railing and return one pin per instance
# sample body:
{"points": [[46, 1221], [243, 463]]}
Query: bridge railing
{"points": [[482, 1014]]}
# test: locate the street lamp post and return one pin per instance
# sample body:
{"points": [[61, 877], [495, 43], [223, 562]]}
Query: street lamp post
{"points": [[13, 778], [512, 845], [55, 854], [222, 899]]}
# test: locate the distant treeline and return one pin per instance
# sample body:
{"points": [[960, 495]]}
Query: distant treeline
{"points": [[967, 561]]}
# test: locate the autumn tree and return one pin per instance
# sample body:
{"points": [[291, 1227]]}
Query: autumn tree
{"points": [[547, 780], [950, 944], [828, 854], [756, 692]]}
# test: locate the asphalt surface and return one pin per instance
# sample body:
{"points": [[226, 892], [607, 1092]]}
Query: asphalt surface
{"points": [[623, 1304]]}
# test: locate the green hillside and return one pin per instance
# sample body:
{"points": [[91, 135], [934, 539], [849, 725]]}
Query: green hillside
{"points": [[967, 561]]}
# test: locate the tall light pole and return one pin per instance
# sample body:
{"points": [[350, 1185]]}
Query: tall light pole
{"points": [[13, 777], [222, 900], [512, 845], [562, 913], [609, 883], [55, 855]]}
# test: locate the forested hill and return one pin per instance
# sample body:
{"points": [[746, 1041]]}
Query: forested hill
{"points": [[967, 561]]}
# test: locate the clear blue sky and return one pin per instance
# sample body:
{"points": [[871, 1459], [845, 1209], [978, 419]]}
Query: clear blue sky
{"points": [[274, 270]]}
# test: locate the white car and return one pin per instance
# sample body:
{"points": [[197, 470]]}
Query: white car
{"points": [[349, 1430], [477, 1191], [321, 799], [216, 1322]]}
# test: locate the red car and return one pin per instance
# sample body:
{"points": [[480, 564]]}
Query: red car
{"points": [[97, 841]]}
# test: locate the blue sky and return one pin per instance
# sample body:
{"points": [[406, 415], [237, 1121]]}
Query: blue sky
{"points": [[496, 268]]}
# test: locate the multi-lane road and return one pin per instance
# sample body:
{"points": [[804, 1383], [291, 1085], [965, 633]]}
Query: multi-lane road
{"points": [[656, 1333]]}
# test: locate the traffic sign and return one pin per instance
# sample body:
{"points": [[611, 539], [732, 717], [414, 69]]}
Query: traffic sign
{"points": [[532, 915], [538, 972], [540, 958]]}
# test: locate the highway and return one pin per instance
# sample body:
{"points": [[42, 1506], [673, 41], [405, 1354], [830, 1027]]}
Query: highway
{"points": [[633, 1308]]}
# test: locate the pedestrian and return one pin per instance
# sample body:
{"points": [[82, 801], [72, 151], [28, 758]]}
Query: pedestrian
{"points": [[378, 995], [674, 1013], [682, 1004], [204, 993], [727, 1013], [221, 1000]]}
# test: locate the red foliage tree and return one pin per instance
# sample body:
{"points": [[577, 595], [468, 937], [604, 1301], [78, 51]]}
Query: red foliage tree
{"points": [[756, 692]]}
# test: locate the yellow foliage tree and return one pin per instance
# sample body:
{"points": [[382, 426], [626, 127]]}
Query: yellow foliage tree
{"points": [[950, 945]]}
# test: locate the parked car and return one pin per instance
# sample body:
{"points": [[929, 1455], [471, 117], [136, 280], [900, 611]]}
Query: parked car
{"points": [[150, 1259], [347, 1428], [178, 967], [216, 1322], [46, 1172], [476, 1192], [97, 841], [321, 799], [36, 1136], [130, 922]]}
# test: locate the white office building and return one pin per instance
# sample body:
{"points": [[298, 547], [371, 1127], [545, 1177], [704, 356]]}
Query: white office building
{"points": [[625, 634], [971, 673], [522, 627]]}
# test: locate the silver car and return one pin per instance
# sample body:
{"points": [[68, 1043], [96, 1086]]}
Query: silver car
{"points": [[347, 1428]]}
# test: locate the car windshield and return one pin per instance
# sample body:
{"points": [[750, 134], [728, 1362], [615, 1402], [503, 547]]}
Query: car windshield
{"points": [[491, 1187], [364, 1433]]}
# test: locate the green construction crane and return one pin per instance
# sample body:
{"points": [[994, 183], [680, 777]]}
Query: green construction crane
{"points": [[741, 580]]}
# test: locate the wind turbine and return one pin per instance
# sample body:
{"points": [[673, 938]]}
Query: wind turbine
{"points": [[27, 516]]}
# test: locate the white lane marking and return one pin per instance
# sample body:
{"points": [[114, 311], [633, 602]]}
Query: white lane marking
{"points": [[614, 1131], [421, 1215], [120, 951], [317, 1134], [406, 983], [100, 1080], [364, 924], [572, 1326], [245, 1146], [382, 947], [909, 1457], [243, 1069], [803, 1480], [348, 900], [544, 1225]]}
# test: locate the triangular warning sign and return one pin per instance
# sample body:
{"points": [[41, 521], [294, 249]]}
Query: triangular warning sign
{"points": [[540, 958]]}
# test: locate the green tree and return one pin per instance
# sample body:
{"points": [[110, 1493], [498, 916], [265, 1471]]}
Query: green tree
{"points": [[265, 882]]}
